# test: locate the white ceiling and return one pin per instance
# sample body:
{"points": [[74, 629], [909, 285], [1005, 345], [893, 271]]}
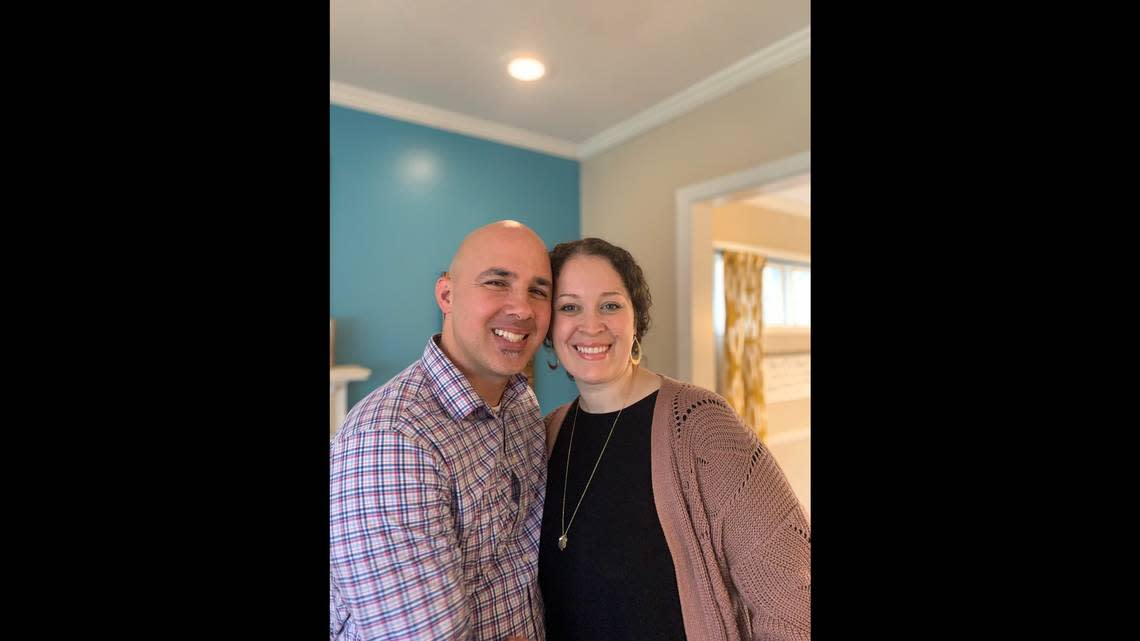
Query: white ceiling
{"points": [[610, 63], [789, 196]]}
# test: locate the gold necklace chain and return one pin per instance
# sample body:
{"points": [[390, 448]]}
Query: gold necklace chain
{"points": [[562, 540]]}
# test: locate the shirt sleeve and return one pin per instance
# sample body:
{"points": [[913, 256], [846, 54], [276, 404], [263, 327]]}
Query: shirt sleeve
{"points": [[393, 551]]}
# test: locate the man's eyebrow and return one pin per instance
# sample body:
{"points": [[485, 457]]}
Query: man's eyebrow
{"points": [[542, 281], [496, 271]]}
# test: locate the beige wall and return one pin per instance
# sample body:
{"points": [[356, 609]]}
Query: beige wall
{"points": [[629, 198], [739, 223], [629, 192], [794, 458]]}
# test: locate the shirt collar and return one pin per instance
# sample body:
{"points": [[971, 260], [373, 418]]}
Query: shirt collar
{"points": [[455, 392]]}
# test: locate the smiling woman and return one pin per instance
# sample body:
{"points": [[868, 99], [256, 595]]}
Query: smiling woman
{"points": [[664, 503]]}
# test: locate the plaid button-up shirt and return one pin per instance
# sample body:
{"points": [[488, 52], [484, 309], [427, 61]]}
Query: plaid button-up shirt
{"points": [[435, 506]]}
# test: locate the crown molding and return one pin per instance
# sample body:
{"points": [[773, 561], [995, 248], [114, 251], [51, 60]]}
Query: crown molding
{"points": [[384, 105], [780, 54]]}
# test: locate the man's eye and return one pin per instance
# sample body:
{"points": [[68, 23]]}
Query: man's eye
{"points": [[497, 283], [541, 293]]}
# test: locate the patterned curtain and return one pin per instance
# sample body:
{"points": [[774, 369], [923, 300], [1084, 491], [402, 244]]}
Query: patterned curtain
{"points": [[743, 348]]}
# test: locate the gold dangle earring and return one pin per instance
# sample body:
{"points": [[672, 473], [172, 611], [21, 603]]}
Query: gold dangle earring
{"points": [[635, 352]]}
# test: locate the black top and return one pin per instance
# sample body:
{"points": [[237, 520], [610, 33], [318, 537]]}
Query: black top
{"points": [[615, 579]]}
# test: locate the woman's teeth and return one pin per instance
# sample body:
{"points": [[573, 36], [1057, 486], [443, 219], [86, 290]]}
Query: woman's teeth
{"points": [[592, 350]]}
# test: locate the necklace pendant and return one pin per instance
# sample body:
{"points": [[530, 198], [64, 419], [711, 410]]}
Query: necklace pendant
{"points": [[562, 542]]}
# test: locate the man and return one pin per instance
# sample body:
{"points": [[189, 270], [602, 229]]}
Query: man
{"points": [[438, 476]]}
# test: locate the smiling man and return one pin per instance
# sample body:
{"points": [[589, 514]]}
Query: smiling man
{"points": [[437, 477]]}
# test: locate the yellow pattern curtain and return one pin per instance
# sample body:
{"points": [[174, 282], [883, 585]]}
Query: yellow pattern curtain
{"points": [[743, 347]]}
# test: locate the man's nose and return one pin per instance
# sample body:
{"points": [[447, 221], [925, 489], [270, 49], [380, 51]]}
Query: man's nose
{"points": [[519, 304]]}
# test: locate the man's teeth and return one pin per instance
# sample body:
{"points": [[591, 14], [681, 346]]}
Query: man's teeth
{"points": [[592, 350], [514, 338]]}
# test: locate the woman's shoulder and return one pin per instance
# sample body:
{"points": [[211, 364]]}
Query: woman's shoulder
{"points": [[552, 422], [561, 409], [689, 397], [702, 418]]}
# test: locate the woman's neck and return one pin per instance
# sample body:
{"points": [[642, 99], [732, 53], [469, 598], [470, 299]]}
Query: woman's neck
{"points": [[611, 396]]}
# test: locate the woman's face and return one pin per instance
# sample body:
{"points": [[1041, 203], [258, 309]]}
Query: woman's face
{"points": [[593, 320]]}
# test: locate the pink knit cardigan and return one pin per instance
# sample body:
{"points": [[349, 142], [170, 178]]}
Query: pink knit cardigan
{"points": [[740, 542]]}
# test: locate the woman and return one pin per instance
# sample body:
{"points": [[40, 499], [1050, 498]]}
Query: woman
{"points": [[665, 517]]}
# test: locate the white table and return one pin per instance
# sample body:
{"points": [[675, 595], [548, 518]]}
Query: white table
{"points": [[339, 378]]}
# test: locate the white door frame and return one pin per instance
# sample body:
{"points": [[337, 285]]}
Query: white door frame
{"points": [[695, 359]]}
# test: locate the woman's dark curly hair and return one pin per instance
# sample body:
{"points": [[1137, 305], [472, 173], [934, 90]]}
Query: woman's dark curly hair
{"points": [[623, 264]]}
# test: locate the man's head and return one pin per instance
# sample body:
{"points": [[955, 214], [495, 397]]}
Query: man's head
{"points": [[496, 304]]}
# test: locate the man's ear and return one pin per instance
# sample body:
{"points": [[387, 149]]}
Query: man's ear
{"points": [[443, 293]]}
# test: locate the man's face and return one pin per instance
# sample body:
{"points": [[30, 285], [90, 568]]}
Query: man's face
{"points": [[497, 301]]}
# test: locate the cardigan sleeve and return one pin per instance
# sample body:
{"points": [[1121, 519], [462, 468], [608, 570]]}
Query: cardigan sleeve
{"points": [[773, 578], [762, 536]]}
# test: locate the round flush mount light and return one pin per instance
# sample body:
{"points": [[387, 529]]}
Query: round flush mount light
{"points": [[527, 69]]}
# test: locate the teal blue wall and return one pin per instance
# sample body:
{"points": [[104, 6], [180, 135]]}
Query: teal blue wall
{"points": [[402, 198]]}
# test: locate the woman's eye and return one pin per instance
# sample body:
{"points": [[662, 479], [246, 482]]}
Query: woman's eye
{"points": [[611, 307], [567, 308]]}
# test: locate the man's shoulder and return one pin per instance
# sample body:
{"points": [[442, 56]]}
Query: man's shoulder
{"points": [[397, 405]]}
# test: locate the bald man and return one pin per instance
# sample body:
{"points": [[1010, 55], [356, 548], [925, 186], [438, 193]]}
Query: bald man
{"points": [[438, 476]]}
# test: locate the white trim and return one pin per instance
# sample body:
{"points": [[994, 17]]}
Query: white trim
{"points": [[792, 208], [685, 199], [780, 54], [766, 251], [783, 438], [400, 109]]}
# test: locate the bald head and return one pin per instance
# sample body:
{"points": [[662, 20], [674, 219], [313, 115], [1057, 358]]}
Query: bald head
{"points": [[497, 234]]}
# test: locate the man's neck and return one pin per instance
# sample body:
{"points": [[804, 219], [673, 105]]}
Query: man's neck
{"points": [[491, 394], [490, 390]]}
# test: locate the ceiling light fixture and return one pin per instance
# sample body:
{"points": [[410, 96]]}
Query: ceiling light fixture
{"points": [[526, 69]]}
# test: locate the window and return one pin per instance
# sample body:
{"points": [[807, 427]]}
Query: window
{"points": [[786, 293]]}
